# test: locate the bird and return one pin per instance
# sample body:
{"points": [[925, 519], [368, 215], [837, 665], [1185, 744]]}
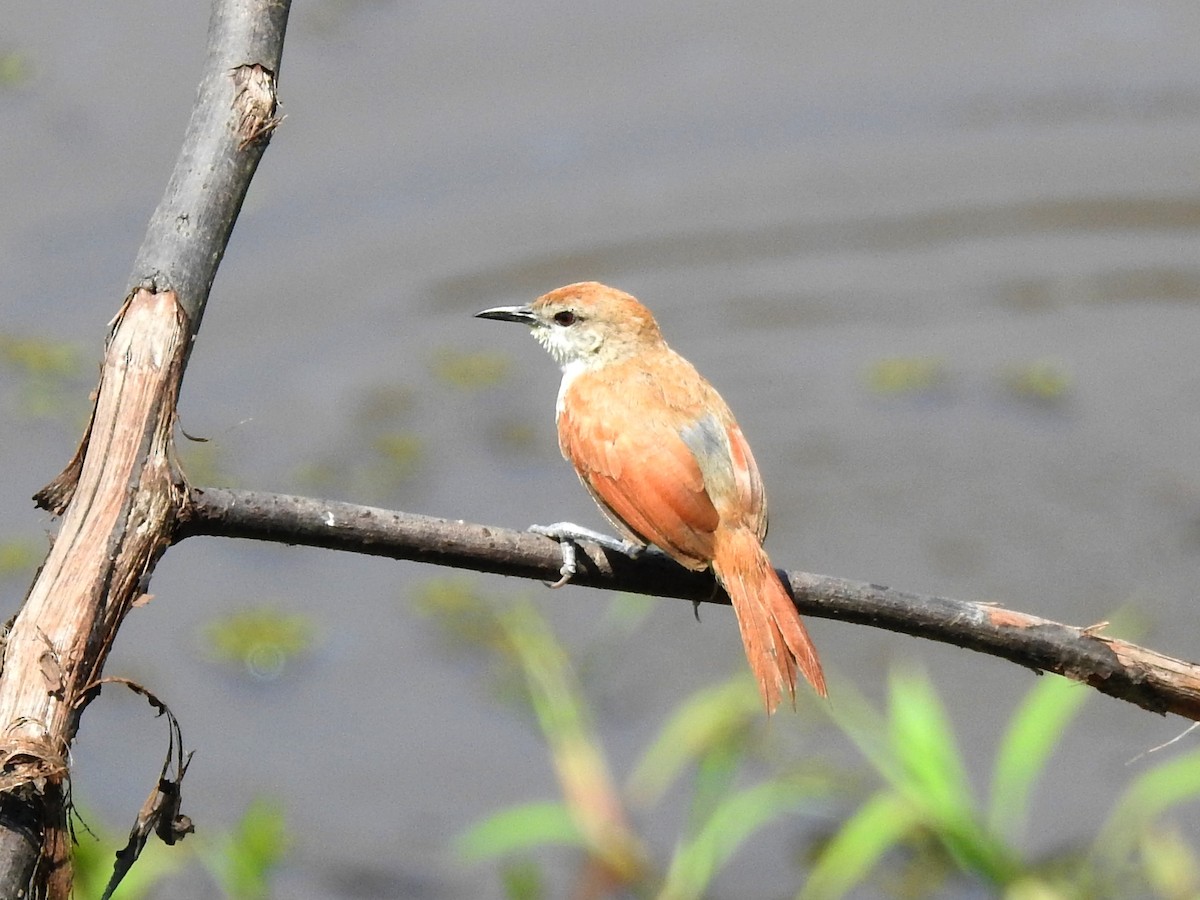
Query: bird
{"points": [[660, 452]]}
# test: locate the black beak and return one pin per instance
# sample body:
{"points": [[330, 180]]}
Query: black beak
{"points": [[522, 314]]}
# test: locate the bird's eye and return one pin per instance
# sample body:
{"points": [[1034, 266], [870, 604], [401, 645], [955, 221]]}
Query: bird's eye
{"points": [[565, 318]]}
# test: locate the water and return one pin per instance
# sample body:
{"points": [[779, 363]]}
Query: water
{"points": [[798, 192]]}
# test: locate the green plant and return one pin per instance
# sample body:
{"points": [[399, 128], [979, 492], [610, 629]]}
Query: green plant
{"points": [[712, 733], [470, 371], [917, 831], [926, 804], [47, 375], [261, 640], [924, 821], [241, 860]]}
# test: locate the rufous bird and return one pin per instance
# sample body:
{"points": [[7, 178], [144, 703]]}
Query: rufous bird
{"points": [[660, 452]]}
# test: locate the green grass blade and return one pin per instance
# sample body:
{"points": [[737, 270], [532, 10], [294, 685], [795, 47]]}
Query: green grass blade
{"points": [[1151, 795], [935, 781], [720, 714], [865, 726], [923, 740], [739, 816], [558, 701], [1033, 732], [522, 880], [244, 860], [881, 823], [518, 829], [715, 777], [1169, 862]]}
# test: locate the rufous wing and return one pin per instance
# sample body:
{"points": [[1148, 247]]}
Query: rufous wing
{"points": [[650, 487]]}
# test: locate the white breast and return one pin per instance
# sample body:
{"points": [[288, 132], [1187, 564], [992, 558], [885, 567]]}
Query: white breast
{"points": [[571, 371]]}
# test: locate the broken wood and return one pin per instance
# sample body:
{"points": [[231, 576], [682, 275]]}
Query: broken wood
{"points": [[121, 493]]}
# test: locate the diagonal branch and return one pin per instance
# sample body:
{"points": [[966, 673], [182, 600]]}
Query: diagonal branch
{"points": [[120, 494], [1114, 667]]}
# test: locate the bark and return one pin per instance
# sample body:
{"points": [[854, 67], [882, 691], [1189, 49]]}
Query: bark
{"points": [[121, 493], [1118, 668]]}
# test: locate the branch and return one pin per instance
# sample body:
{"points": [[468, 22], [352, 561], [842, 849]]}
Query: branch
{"points": [[232, 118], [1120, 669], [121, 492]]}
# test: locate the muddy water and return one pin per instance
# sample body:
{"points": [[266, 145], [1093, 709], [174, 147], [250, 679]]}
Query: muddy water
{"points": [[799, 193]]}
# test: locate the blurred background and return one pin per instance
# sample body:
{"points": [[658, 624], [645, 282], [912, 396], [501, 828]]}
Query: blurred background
{"points": [[940, 258]]}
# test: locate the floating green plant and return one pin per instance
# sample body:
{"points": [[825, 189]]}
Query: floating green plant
{"points": [[904, 375], [262, 640], [15, 69], [19, 556], [469, 371], [1040, 380]]}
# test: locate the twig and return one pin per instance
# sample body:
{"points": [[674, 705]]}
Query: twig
{"points": [[1115, 667]]}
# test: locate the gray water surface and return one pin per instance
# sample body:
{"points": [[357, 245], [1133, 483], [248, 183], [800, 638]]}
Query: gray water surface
{"points": [[798, 190]]}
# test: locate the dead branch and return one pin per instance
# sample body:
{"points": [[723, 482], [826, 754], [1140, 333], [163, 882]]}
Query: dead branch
{"points": [[120, 494], [1114, 667]]}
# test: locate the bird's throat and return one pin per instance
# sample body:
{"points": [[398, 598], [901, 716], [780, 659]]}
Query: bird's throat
{"points": [[570, 371]]}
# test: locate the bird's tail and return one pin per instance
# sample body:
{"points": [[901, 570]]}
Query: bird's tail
{"points": [[777, 643]]}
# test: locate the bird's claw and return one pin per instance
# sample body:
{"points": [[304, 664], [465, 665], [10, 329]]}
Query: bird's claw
{"points": [[568, 535], [568, 570]]}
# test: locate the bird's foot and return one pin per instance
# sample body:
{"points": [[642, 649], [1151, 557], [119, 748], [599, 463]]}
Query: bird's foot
{"points": [[568, 535]]}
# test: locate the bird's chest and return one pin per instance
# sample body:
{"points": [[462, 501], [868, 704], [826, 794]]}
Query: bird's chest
{"points": [[570, 374], [611, 400]]}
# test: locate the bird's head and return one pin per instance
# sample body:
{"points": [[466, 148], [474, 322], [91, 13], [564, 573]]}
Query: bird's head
{"points": [[588, 324]]}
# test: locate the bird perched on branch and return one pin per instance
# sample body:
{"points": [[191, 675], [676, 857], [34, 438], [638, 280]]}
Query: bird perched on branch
{"points": [[660, 452]]}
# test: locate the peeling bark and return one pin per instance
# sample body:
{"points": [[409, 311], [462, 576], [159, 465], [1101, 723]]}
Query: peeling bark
{"points": [[122, 491], [124, 497]]}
